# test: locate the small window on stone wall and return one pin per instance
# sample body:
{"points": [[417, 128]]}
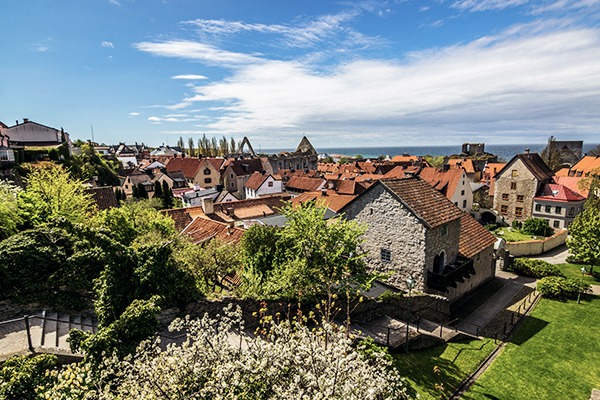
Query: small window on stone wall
{"points": [[519, 211], [557, 224], [504, 196], [520, 198], [513, 186], [207, 180], [444, 230], [503, 209], [386, 255]]}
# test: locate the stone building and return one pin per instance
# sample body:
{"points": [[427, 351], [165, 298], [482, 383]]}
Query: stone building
{"points": [[414, 230], [304, 158], [517, 184]]}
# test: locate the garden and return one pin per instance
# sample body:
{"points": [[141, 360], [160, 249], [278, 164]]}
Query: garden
{"points": [[567, 336], [531, 229]]}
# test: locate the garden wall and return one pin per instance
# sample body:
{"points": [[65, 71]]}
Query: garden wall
{"points": [[434, 308], [534, 247]]}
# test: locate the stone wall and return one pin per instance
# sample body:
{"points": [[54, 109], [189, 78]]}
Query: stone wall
{"points": [[436, 243], [527, 186], [393, 227], [534, 247], [433, 308]]}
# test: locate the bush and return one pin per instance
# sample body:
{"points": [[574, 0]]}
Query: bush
{"points": [[388, 295], [20, 376], [517, 224], [561, 288], [536, 227], [534, 268], [492, 227]]}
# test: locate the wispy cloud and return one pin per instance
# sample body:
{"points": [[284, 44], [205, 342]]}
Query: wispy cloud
{"points": [[172, 119], [107, 44], [189, 76], [566, 5], [115, 2], [134, 113], [529, 79], [196, 51], [481, 5]]}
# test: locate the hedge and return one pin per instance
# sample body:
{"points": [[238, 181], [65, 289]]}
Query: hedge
{"points": [[534, 268], [561, 288]]}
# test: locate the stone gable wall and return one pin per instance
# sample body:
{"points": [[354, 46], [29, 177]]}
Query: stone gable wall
{"points": [[527, 186], [436, 243], [391, 226]]}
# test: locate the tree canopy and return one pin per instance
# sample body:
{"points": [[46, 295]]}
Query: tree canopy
{"points": [[551, 155], [583, 241]]}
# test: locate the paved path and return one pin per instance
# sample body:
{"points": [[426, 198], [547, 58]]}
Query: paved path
{"points": [[557, 255]]}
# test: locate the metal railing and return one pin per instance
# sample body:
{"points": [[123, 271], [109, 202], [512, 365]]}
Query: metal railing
{"points": [[452, 275]]}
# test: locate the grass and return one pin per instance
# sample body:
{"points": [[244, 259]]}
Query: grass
{"points": [[574, 271], [455, 360], [554, 355], [514, 235]]}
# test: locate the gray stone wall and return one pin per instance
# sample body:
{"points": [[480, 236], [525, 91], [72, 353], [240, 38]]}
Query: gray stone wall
{"points": [[527, 186], [393, 227], [436, 243]]}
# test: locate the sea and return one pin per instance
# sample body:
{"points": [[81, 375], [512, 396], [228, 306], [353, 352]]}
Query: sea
{"points": [[503, 151]]}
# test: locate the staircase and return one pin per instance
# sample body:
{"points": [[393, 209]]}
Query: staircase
{"points": [[45, 332]]}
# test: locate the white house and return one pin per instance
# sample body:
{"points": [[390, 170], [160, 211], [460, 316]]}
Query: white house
{"points": [[261, 184]]}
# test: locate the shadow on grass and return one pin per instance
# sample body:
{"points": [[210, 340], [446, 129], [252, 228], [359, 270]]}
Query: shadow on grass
{"points": [[531, 326], [475, 348]]}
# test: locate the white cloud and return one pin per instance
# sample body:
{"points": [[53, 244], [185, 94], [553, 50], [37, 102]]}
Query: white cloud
{"points": [[531, 79], [566, 5], [424, 8], [481, 5], [134, 113], [189, 76], [196, 51], [107, 44], [172, 119], [115, 2]]}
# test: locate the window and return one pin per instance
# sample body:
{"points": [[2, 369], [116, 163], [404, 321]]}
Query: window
{"points": [[386, 255], [557, 224], [126, 186], [231, 175], [456, 203], [207, 180], [548, 209], [558, 210], [270, 183], [571, 210], [538, 207], [444, 230], [520, 198], [513, 186], [505, 196], [519, 211], [232, 184], [514, 173], [462, 192], [503, 209], [464, 204], [478, 256], [207, 171]]}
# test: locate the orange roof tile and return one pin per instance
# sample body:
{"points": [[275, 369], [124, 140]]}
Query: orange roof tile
{"points": [[181, 217], [404, 158], [332, 200], [398, 172], [256, 180], [473, 237], [585, 165], [188, 165], [202, 229], [572, 183], [305, 184], [466, 164], [556, 192], [444, 181]]}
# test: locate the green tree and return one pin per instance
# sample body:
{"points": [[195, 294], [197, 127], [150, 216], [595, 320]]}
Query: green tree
{"points": [[157, 190], [10, 214], [327, 160], [583, 241], [343, 160], [536, 226], [51, 194], [141, 191], [167, 196], [359, 157], [435, 162], [21, 376], [551, 155]]}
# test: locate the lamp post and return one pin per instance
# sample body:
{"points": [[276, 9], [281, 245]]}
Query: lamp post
{"points": [[410, 284], [583, 271]]}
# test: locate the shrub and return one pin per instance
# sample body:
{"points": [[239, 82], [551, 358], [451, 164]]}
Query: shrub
{"points": [[20, 376], [389, 295], [534, 268], [560, 287], [492, 227], [516, 224], [536, 227]]}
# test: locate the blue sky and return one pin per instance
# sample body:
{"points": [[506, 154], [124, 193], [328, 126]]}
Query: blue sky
{"points": [[346, 74]]}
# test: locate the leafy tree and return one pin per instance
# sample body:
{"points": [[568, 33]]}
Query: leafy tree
{"points": [[583, 241], [328, 160], [594, 152], [141, 191], [232, 146], [167, 196], [343, 160], [435, 162], [10, 214], [210, 262], [551, 155], [359, 157], [536, 226], [192, 152], [51, 194], [312, 255], [89, 164], [157, 190], [21, 376], [122, 336]]}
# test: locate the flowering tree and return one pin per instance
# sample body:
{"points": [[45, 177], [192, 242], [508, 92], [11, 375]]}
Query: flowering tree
{"points": [[289, 362]]}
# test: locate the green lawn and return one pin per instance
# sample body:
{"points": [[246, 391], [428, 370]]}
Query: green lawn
{"points": [[554, 355], [514, 235], [455, 360], [574, 271]]}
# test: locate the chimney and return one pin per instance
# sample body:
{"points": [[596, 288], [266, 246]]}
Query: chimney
{"points": [[196, 188], [324, 192], [409, 174], [25, 120], [207, 205], [446, 167], [526, 151]]}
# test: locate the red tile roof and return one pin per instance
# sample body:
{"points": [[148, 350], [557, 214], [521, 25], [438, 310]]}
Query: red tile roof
{"points": [[104, 197], [584, 166], [247, 166], [188, 165], [398, 172], [534, 163], [256, 180], [181, 217], [444, 181], [215, 162], [405, 158], [332, 200], [473, 237], [429, 205], [466, 164], [202, 229], [572, 183], [556, 192], [305, 184]]}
